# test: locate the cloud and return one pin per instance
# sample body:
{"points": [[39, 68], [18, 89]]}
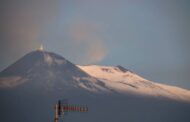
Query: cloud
{"points": [[88, 36]]}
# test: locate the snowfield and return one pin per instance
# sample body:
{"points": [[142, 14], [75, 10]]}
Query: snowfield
{"points": [[30, 87], [125, 81]]}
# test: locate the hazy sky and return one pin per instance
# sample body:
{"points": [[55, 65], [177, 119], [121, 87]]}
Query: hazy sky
{"points": [[149, 37]]}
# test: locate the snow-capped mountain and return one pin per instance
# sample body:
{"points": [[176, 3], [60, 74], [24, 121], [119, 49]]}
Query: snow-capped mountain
{"points": [[44, 69], [48, 70], [125, 81], [31, 86]]}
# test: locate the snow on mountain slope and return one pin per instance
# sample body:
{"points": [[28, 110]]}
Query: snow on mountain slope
{"points": [[125, 81], [31, 86], [46, 70]]}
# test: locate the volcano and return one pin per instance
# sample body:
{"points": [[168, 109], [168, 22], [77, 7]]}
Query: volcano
{"points": [[48, 70], [31, 86]]}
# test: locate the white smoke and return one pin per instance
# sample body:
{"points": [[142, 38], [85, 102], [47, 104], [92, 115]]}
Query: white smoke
{"points": [[88, 35]]}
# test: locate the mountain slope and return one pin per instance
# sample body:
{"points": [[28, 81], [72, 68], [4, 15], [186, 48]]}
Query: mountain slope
{"points": [[31, 86], [125, 81], [48, 70], [41, 69]]}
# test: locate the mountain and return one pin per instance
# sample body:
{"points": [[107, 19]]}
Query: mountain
{"points": [[125, 81], [31, 86], [41, 69]]}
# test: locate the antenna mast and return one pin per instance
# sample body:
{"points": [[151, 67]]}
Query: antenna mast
{"points": [[62, 108], [56, 118]]}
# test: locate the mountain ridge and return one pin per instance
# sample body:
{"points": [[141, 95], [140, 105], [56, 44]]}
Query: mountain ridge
{"points": [[47, 69], [34, 83], [43, 69]]}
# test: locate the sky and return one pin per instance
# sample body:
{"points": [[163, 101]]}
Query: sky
{"points": [[149, 37]]}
